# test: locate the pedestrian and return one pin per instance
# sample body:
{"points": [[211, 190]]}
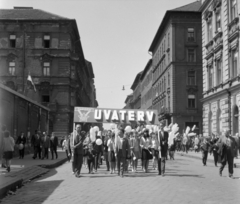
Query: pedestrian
{"points": [[21, 141], [36, 142], [111, 155], [163, 140], [236, 138], [184, 143], [196, 144], [53, 145], [146, 144], [65, 145], [172, 149], [90, 154], [227, 146], [98, 149], [85, 147], [76, 145], [204, 146], [155, 147], [3, 129], [8, 149], [214, 148], [135, 150], [122, 151], [45, 143], [105, 149]]}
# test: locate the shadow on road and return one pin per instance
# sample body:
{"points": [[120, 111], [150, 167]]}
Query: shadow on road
{"points": [[185, 175]]}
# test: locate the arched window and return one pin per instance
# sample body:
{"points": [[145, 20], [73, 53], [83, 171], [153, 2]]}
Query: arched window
{"points": [[235, 120]]}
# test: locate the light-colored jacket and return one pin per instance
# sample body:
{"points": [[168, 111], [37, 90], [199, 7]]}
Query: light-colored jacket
{"points": [[8, 144]]}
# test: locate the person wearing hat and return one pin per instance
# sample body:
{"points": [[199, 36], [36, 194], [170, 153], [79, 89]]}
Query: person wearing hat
{"points": [[163, 148], [53, 145], [45, 145]]}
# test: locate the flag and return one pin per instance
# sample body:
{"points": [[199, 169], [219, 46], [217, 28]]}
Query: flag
{"points": [[30, 83]]}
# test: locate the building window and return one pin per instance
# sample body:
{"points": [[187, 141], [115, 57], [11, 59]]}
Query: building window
{"points": [[210, 77], [45, 98], [234, 63], [191, 101], [169, 40], [191, 78], [12, 39], [233, 7], [235, 120], [210, 124], [191, 35], [218, 21], [219, 71], [46, 41], [191, 55], [209, 30], [168, 57], [12, 68], [168, 78], [169, 103], [46, 69], [219, 121]]}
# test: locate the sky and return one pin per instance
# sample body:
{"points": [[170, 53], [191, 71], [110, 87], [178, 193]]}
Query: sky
{"points": [[115, 36]]}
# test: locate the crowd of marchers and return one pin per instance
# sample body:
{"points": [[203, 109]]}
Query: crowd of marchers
{"points": [[124, 150]]}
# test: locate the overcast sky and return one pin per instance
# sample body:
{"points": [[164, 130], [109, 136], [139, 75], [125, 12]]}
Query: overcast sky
{"points": [[115, 35]]}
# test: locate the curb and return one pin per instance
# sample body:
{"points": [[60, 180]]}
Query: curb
{"points": [[18, 182], [10, 186], [52, 166], [210, 160]]}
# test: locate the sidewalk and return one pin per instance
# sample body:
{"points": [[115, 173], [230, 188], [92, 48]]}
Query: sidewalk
{"points": [[24, 170], [198, 155]]}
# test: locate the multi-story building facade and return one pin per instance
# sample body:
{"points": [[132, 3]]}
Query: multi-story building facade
{"points": [[47, 47], [136, 87], [177, 67], [221, 73], [128, 102], [146, 86]]}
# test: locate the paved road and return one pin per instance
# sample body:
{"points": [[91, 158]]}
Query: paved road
{"points": [[186, 181]]}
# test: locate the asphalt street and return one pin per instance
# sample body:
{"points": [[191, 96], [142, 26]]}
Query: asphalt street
{"points": [[186, 181]]}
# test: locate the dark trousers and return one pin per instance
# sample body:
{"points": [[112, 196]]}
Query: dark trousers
{"points": [[215, 156], [161, 165], [204, 157], [90, 163], [96, 160], [37, 152], [67, 154], [105, 154], [228, 158], [121, 163], [21, 153], [54, 150], [77, 163], [44, 153]]}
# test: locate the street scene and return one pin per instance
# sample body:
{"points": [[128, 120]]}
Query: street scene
{"points": [[119, 101]]}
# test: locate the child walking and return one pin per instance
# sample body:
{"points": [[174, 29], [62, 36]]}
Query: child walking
{"points": [[90, 158]]}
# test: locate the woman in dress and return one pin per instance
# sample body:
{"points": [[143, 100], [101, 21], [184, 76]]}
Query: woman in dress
{"points": [[111, 154], [155, 152], [135, 150], [8, 148], [146, 144]]}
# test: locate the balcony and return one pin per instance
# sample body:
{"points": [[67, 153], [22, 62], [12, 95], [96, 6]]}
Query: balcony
{"points": [[233, 29], [209, 49]]}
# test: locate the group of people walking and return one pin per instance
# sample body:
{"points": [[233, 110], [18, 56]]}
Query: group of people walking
{"points": [[119, 150]]}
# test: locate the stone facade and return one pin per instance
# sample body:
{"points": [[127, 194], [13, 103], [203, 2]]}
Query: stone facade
{"points": [[177, 67], [48, 48], [146, 86], [221, 81]]}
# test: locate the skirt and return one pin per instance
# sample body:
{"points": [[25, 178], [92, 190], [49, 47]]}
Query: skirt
{"points": [[8, 155], [136, 154], [146, 155], [111, 156]]}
